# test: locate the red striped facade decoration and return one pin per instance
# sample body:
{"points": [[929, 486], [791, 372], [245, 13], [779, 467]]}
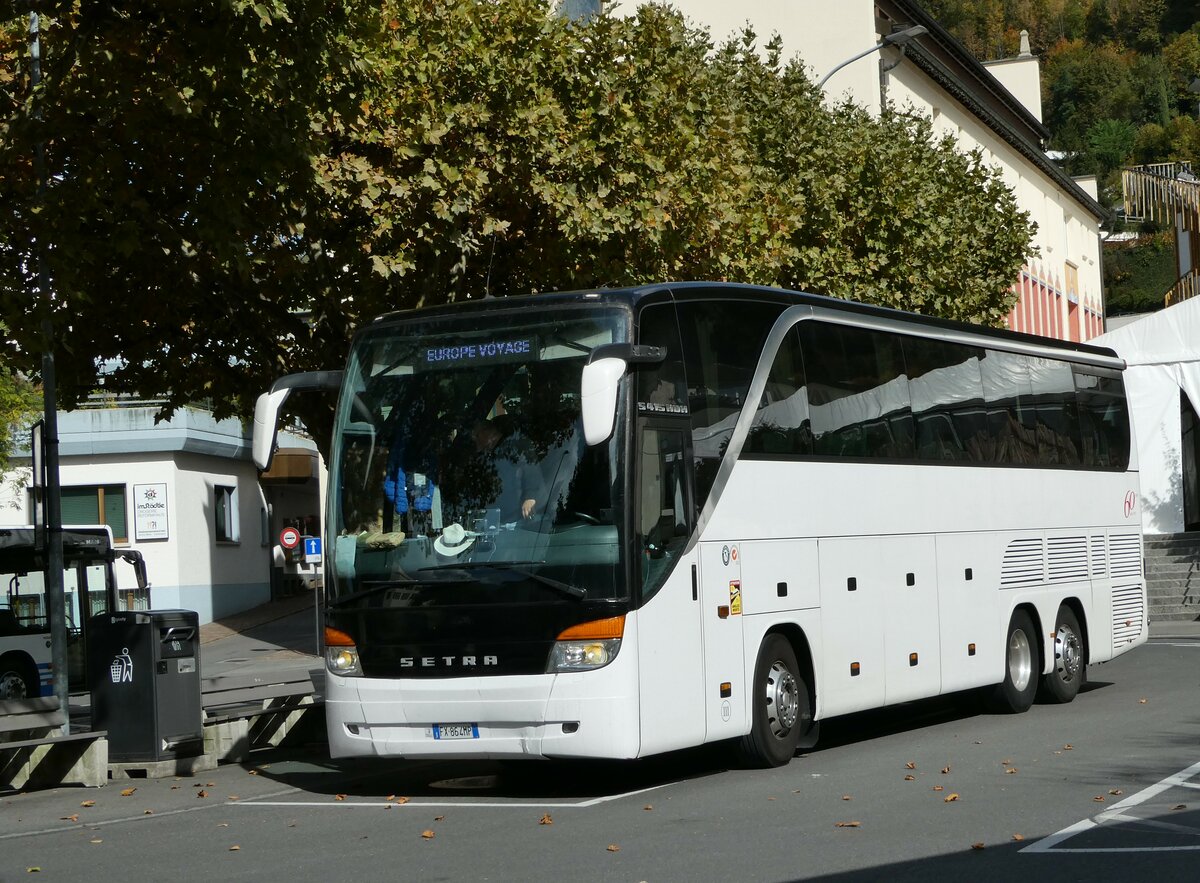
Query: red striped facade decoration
{"points": [[1047, 307]]}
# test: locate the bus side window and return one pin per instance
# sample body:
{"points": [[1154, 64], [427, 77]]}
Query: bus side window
{"points": [[663, 521]]}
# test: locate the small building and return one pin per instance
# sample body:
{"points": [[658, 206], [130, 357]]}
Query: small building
{"points": [[184, 493]]}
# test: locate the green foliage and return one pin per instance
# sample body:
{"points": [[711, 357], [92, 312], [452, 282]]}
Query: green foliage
{"points": [[233, 187], [20, 404], [1136, 274]]}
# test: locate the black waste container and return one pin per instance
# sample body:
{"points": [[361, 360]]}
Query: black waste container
{"points": [[144, 668]]}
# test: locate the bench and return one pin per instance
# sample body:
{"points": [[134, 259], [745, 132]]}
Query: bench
{"points": [[246, 712], [35, 753]]}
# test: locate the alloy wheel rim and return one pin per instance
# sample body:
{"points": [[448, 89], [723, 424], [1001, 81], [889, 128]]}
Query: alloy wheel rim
{"points": [[783, 700]]}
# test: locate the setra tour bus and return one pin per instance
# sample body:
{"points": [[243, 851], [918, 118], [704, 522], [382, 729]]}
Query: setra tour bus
{"points": [[615, 523]]}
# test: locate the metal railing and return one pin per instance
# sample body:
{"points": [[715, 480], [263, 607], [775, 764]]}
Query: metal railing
{"points": [[1186, 287], [1162, 192]]}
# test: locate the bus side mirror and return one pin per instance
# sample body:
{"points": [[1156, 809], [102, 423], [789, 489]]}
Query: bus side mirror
{"points": [[601, 380], [266, 414], [266, 409], [598, 397]]}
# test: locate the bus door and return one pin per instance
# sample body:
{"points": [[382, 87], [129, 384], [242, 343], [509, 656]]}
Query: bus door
{"points": [[726, 700], [670, 649]]}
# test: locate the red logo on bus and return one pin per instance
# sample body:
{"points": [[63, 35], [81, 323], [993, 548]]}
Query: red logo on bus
{"points": [[1130, 503]]}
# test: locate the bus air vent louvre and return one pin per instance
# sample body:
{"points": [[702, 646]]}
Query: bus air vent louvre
{"points": [[1128, 610], [1068, 559], [1024, 563], [1099, 556], [1124, 555]]}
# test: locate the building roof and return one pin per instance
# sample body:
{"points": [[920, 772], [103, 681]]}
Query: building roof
{"points": [[949, 64]]}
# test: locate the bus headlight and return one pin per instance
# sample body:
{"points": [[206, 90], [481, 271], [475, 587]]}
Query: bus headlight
{"points": [[341, 656], [587, 646], [582, 655]]}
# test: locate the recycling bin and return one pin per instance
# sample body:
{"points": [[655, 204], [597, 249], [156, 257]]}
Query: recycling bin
{"points": [[144, 668]]}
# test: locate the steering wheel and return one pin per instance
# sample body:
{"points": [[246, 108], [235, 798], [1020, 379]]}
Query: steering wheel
{"points": [[584, 517]]}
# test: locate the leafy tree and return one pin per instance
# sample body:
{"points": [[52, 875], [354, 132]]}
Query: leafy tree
{"points": [[233, 187], [19, 406]]}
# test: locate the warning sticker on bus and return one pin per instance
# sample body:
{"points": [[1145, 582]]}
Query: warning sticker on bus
{"points": [[735, 597]]}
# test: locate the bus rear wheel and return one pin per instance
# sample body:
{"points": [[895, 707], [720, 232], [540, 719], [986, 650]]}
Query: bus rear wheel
{"points": [[18, 679], [1062, 683], [1016, 692], [780, 706]]}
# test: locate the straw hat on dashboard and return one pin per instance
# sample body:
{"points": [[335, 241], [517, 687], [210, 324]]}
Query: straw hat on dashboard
{"points": [[454, 541]]}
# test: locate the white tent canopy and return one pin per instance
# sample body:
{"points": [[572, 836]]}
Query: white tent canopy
{"points": [[1163, 355]]}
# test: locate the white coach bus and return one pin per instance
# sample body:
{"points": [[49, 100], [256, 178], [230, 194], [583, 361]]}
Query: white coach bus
{"points": [[618, 523]]}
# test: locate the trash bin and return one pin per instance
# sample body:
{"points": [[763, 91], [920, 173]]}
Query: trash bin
{"points": [[144, 668]]}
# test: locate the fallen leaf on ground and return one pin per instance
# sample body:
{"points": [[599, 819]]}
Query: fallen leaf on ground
{"points": [[33, 870], [428, 835], [945, 769], [252, 772], [1018, 837], [977, 846], [339, 797], [1115, 792], [1068, 747], [847, 797], [127, 792], [546, 820], [438, 818], [1010, 771], [910, 778], [1099, 798], [71, 818], [88, 803], [96, 840], [1180, 806], [612, 847], [148, 812], [234, 848], [848, 825], [938, 788], [222, 824], [951, 797], [647, 807], [201, 793], [1005, 762], [1141, 702], [910, 765]]}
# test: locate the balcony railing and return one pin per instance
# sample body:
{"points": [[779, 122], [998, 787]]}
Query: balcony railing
{"points": [[1187, 286], [1163, 192]]}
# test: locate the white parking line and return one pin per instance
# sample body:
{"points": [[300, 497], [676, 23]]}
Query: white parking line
{"points": [[1116, 813], [444, 804]]}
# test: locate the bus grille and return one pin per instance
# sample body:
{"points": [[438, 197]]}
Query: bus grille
{"points": [[1068, 559], [1129, 612], [1125, 555], [1024, 563]]}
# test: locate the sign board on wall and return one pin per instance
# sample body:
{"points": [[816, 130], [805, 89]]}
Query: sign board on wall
{"points": [[150, 511]]}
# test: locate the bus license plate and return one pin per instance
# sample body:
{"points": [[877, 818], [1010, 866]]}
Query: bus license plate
{"points": [[455, 731]]}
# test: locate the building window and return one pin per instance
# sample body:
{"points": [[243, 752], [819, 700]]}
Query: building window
{"points": [[225, 514], [97, 504]]}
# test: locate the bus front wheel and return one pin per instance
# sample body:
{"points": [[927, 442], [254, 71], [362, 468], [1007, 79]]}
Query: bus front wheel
{"points": [[18, 679], [1016, 692], [1063, 681], [780, 706]]}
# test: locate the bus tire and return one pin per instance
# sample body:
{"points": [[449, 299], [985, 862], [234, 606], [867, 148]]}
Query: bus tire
{"points": [[1015, 694], [18, 677], [780, 706], [1062, 683]]}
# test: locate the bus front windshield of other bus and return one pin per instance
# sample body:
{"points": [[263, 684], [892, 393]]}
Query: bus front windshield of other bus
{"points": [[461, 479]]}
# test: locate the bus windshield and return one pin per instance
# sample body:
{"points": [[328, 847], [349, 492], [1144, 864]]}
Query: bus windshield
{"points": [[460, 472]]}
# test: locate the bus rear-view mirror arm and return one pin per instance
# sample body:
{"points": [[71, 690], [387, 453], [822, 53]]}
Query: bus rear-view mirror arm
{"points": [[266, 409], [134, 557], [601, 381]]}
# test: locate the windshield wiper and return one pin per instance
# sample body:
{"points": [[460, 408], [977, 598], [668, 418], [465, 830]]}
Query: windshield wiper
{"points": [[516, 567]]}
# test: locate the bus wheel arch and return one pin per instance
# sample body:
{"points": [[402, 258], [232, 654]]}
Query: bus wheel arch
{"points": [[782, 702], [1067, 655], [18, 676], [1022, 663]]}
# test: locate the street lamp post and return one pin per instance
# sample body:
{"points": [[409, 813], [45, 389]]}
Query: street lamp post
{"points": [[896, 38]]}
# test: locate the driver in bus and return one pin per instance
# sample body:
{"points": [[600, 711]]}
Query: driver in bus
{"points": [[501, 446]]}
